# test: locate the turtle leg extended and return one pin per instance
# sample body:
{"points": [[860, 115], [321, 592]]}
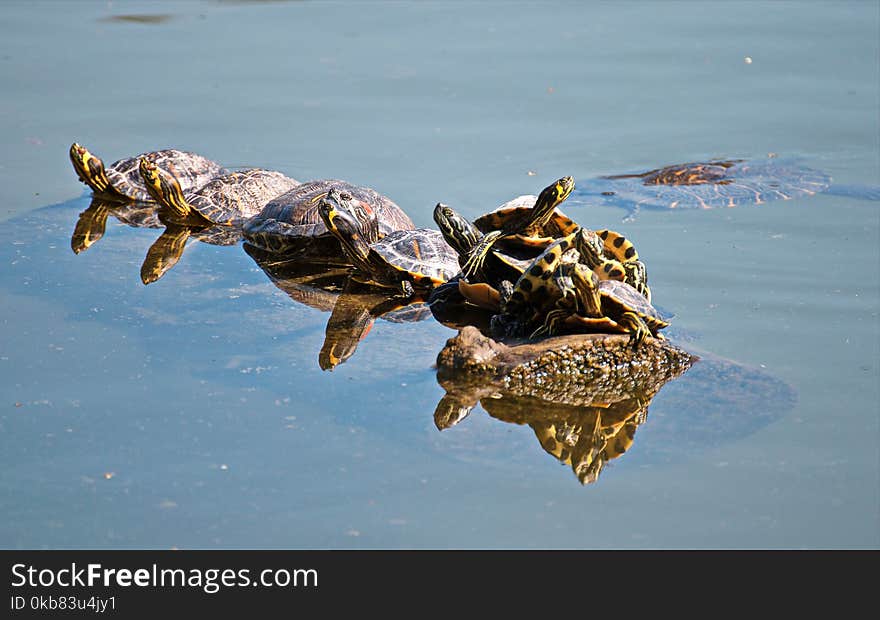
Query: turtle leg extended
{"points": [[636, 327]]}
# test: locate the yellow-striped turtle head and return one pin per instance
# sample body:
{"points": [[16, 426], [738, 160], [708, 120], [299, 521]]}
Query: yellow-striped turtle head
{"points": [[336, 211], [163, 188], [89, 168], [456, 229], [551, 196]]}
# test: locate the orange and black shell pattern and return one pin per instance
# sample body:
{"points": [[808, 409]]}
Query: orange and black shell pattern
{"points": [[122, 181], [291, 221], [535, 292], [421, 256], [559, 224]]}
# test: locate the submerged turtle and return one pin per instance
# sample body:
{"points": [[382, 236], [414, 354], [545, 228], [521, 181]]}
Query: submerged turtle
{"points": [[121, 181], [228, 199], [407, 260], [290, 223], [714, 184]]}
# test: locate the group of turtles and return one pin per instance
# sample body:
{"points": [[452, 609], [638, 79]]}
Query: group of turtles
{"points": [[529, 267]]}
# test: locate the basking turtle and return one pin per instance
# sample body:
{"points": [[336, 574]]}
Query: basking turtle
{"points": [[290, 223], [408, 260], [228, 199], [515, 222], [714, 184], [121, 181], [536, 292], [589, 304], [481, 288]]}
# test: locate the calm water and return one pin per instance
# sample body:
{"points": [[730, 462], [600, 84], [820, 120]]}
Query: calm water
{"points": [[192, 412]]}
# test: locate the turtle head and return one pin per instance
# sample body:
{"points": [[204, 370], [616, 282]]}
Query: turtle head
{"points": [[163, 187], [457, 231], [89, 168], [336, 211], [589, 246], [586, 286], [552, 195]]}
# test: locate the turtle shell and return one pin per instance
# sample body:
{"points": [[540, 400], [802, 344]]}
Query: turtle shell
{"points": [[291, 222], [707, 185], [236, 196], [421, 254], [191, 169], [558, 226], [619, 297]]}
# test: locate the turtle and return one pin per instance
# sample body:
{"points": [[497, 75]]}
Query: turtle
{"points": [[516, 222], [586, 303], [406, 260], [535, 292], [122, 182], [228, 199], [714, 184], [290, 224], [481, 288]]}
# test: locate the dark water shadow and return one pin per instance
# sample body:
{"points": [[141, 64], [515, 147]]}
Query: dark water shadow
{"points": [[138, 18]]}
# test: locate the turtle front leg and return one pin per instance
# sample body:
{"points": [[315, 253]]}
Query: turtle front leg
{"points": [[407, 289], [478, 255], [636, 327], [551, 323]]}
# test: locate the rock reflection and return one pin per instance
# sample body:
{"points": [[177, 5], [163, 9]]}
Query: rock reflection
{"points": [[583, 396]]}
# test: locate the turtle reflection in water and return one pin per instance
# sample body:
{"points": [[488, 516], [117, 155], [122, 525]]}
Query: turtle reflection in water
{"points": [[165, 251], [715, 184], [353, 308], [584, 396]]}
